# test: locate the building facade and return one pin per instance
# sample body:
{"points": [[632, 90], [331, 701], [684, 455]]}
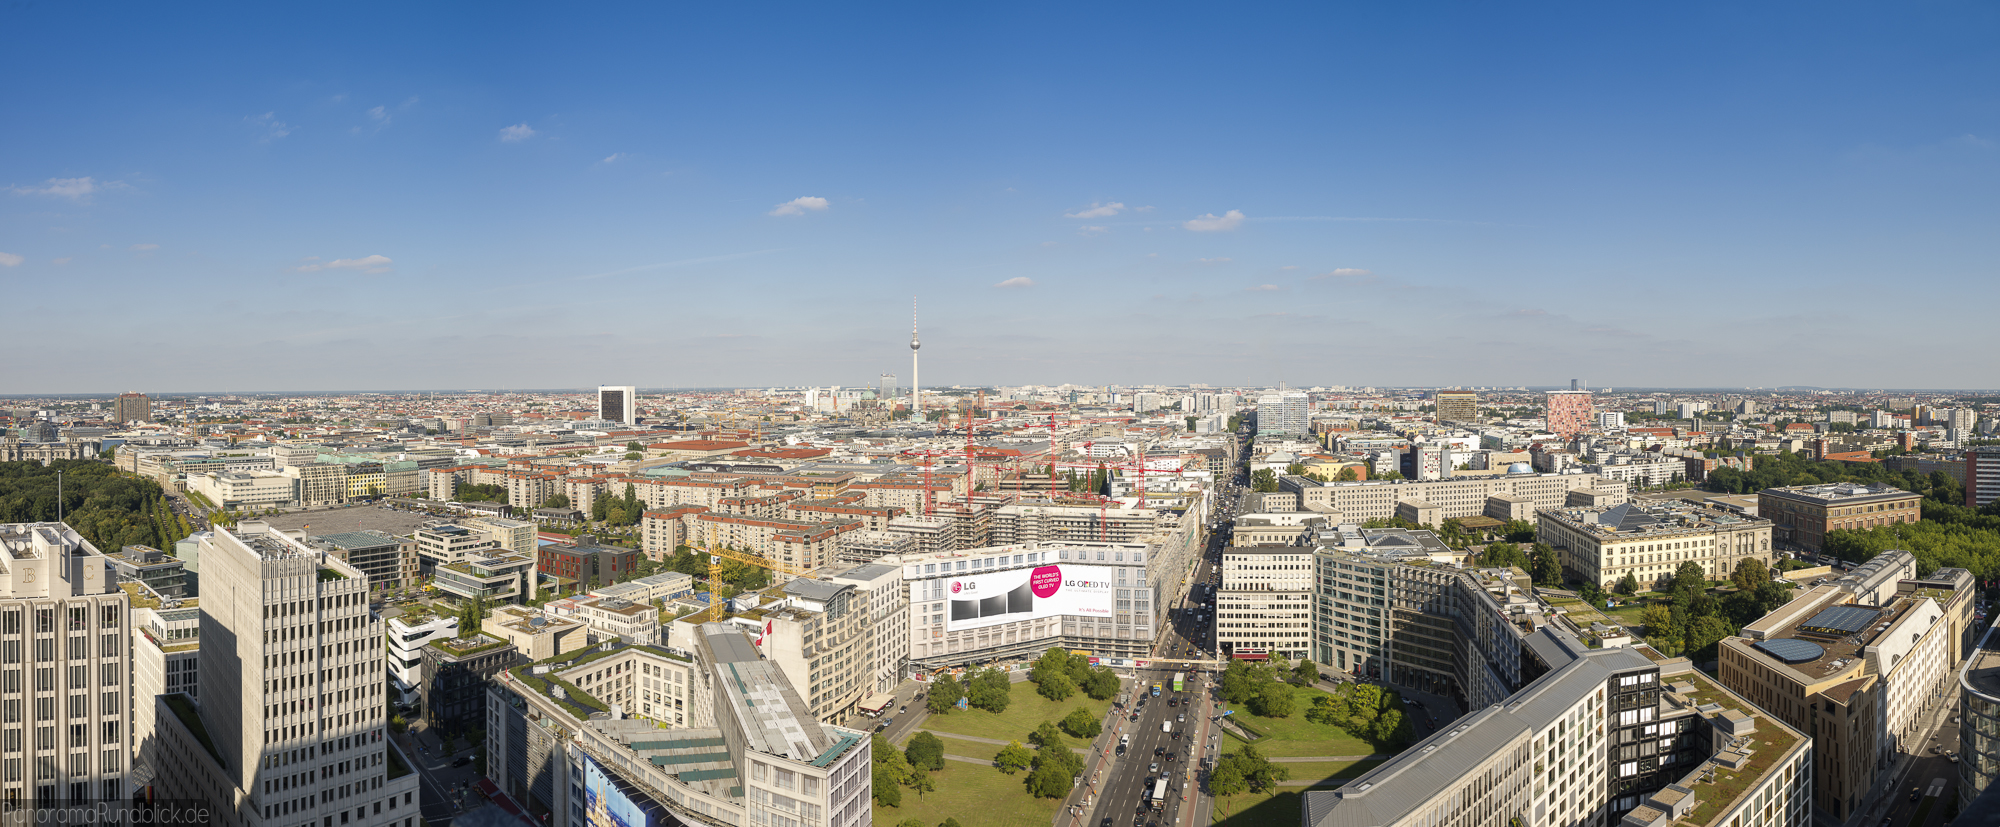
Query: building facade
{"points": [[65, 678], [1650, 540], [618, 403], [289, 729], [1264, 606], [1568, 413], [1803, 514]]}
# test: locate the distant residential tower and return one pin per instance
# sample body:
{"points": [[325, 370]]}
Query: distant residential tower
{"points": [[618, 403]]}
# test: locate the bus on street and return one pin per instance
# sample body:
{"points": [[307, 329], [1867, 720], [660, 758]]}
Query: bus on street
{"points": [[1180, 681]]}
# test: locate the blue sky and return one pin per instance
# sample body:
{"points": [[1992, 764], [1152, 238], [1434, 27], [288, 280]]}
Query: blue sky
{"points": [[274, 197]]}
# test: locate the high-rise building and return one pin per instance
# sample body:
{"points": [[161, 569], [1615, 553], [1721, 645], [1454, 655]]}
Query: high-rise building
{"points": [[916, 411], [132, 407], [1568, 413], [1662, 405], [1284, 412], [887, 393], [618, 403], [289, 728], [1982, 475], [1457, 406], [63, 629], [1610, 420]]}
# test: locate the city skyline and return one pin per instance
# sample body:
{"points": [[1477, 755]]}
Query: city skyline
{"points": [[697, 198]]}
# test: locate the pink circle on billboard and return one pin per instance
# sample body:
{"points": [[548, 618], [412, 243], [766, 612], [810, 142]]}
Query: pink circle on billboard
{"points": [[1045, 580]]}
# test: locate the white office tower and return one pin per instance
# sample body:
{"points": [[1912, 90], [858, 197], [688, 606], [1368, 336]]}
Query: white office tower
{"points": [[618, 403], [1610, 420], [1284, 412], [64, 680], [289, 730]]}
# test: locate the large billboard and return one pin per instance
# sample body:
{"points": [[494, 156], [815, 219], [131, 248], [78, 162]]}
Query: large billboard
{"points": [[608, 804], [993, 598]]}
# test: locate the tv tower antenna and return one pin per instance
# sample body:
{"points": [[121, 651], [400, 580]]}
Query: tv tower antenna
{"points": [[916, 412]]}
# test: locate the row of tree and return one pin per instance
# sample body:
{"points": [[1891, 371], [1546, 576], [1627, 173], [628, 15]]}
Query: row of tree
{"points": [[1058, 674], [1693, 619], [109, 508], [1365, 711]]}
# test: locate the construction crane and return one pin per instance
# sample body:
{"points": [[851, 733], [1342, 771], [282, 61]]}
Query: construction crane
{"points": [[716, 554]]}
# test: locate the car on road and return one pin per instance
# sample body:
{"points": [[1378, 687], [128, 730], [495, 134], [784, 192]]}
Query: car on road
{"points": [[462, 761], [1154, 768], [1182, 718], [1916, 793]]}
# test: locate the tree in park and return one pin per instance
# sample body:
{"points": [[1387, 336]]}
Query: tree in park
{"points": [[1628, 585], [909, 822], [1306, 673], [944, 696], [922, 782], [925, 751], [949, 822], [1056, 688], [989, 690], [1750, 573], [1101, 685], [1227, 779], [1046, 736], [1082, 724], [1013, 757], [888, 790], [1053, 769], [1274, 700]]}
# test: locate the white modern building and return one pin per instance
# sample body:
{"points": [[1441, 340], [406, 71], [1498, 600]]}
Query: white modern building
{"points": [[618, 403], [1284, 412], [407, 637], [63, 634], [289, 728]]}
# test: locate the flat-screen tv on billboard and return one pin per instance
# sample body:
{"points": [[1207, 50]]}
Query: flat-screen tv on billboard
{"points": [[992, 598]]}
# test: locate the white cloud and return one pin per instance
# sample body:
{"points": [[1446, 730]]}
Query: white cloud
{"points": [[1097, 211], [1344, 273], [409, 103], [517, 132], [1212, 223], [380, 113], [273, 128], [799, 206], [1092, 230], [1015, 282], [1264, 288], [1222, 260], [10, 260], [75, 189], [63, 260], [1147, 208], [143, 247], [368, 264], [340, 97], [615, 157]]}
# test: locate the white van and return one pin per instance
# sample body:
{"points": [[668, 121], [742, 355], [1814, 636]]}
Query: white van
{"points": [[1166, 726], [1125, 740]]}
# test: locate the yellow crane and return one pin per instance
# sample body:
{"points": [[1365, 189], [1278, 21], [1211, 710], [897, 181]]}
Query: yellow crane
{"points": [[717, 554]]}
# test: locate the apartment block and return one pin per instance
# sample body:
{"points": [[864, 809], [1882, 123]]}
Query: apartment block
{"points": [[1803, 514], [288, 729], [1360, 502], [1456, 406], [1650, 540], [386, 561], [536, 635], [1569, 413], [409, 632]]}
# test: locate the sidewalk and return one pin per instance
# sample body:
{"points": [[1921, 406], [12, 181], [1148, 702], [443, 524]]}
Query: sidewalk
{"points": [[1082, 801]]}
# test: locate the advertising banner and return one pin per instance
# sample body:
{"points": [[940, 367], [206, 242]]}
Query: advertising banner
{"points": [[992, 598]]}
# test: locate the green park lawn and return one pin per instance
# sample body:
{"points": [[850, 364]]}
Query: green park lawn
{"points": [[1295, 736], [1281, 806], [1329, 773], [976, 796], [1025, 711]]}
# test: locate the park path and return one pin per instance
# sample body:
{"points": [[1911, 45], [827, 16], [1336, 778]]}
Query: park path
{"points": [[996, 742]]}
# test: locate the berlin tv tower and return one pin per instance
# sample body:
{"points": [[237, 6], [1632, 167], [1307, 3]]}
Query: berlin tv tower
{"points": [[916, 413]]}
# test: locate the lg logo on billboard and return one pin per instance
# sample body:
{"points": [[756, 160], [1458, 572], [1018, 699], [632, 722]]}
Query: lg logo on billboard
{"points": [[957, 586]]}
